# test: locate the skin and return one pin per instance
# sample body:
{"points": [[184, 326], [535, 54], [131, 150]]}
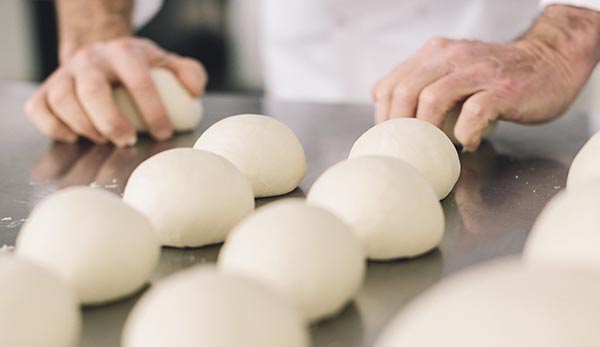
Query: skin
{"points": [[531, 80], [97, 52]]}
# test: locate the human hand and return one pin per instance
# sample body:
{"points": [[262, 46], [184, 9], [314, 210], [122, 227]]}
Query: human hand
{"points": [[76, 100], [531, 80]]}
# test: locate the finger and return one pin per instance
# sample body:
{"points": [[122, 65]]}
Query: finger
{"points": [[95, 94], [383, 97], [133, 71], [62, 101], [39, 114], [441, 96], [477, 113]]}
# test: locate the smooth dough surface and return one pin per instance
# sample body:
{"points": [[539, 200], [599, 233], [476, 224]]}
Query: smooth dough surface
{"points": [[103, 248], [184, 110], [420, 144], [305, 253], [501, 304], [586, 164], [263, 148], [37, 308], [199, 306], [192, 197], [450, 123], [567, 231], [391, 208]]}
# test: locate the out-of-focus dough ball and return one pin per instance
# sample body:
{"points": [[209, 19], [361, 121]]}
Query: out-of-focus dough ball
{"points": [[36, 307], [199, 306], [502, 304], [390, 207], [184, 110], [101, 247], [418, 143], [193, 198], [264, 149], [450, 123], [567, 231], [586, 165], [306, 253]]}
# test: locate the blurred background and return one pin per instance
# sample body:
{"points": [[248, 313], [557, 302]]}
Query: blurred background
{"points": [[220, 33]]}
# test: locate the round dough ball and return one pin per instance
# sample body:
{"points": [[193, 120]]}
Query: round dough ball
{"points": [[390, 207], [36, 307], [450, 123], [420, 144], [103, 248], [305, 253], [192, 197], [502, 304], [584, 167], [264, 149], [567, 231], [199, 306], [183, 109]]}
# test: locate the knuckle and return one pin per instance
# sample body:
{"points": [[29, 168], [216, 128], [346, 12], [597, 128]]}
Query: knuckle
{"points": [[402, 93], [143, 84], [438, 43], [428, 96], [31, 107], [92, 86], [59, 94], [474, 109]]}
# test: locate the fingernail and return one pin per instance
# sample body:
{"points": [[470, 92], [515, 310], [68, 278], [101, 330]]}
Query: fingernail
{"points": [[71, 138], [163, 134], [131, 140]]}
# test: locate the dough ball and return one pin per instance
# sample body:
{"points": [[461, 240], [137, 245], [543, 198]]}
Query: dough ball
{"points": [[450, 123], [192, 197], [36, 307], [502, 304], [567, 231], [420, 144], [585, 167], [264, 149], [199, 306], [183, 109], [103, 248], [305, 253], [390, 207]]}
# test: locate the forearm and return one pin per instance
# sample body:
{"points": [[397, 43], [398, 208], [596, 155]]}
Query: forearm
{"points": [[82, 23], [571, 33]]}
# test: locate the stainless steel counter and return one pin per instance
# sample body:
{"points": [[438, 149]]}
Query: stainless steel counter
{"points": [[502, 188]]}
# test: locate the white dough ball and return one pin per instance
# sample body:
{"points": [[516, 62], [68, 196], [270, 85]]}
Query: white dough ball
{"points": [[192, 197], [183, 109], [567, 231], [450, 123], [417, 142], [502, 304], [264, 149], [586, 165], [103, 248], [390, 207], [200, 307], [36, 307], [307, 254]]}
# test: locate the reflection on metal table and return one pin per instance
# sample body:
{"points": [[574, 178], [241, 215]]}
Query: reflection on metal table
{"points": [[502, 188]]}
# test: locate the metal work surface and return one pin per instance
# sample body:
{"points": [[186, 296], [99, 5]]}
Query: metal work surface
{"points": [[502, 188]]}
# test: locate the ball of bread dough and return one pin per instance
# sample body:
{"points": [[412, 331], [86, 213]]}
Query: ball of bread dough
{"points": [[36, 307], [103, 248], [183, 109], [585, 167], [192, 197], [305, 253], [450, 123], [390, 207], [420, 144], [264, 149], [502, 304], [567, 231], [199, 306]]}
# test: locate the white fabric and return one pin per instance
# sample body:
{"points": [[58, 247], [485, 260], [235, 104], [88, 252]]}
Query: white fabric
{"points": [[144, 11]]}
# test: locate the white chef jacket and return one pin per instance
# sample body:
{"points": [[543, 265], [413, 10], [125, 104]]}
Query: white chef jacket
{"points": [[335, 50]]}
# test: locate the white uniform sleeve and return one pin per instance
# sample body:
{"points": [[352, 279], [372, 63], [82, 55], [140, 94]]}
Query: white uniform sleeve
{"points": [[144, 11], [591, 4]]}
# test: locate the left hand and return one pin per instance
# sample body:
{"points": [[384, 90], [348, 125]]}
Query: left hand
{"points": [[527, 81]]}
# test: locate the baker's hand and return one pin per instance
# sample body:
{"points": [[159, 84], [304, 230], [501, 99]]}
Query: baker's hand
{"points": [[531, 80], [76, 100]]}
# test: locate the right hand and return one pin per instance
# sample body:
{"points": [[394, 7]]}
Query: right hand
{"points": [[76, 100]]}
